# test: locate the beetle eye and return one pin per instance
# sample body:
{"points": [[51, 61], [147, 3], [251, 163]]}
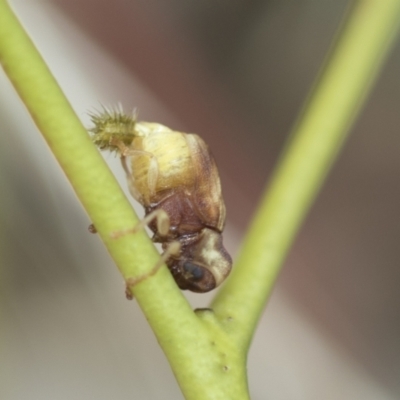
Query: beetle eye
{"points": [[195, 271]]}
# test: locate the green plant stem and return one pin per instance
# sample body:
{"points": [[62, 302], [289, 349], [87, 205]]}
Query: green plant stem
{"points": [[201, 355], [316, 139]]}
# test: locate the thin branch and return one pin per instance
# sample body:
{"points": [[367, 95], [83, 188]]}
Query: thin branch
{"points": [[318, 136]]}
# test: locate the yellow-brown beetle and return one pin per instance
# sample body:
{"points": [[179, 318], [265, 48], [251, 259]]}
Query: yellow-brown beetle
{"points": [[173, 175]]}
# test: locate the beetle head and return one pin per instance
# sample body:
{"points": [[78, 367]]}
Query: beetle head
{"points": [[203, 263]]}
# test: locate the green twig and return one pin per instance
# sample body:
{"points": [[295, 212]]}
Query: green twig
{"points": [[341, 90]]}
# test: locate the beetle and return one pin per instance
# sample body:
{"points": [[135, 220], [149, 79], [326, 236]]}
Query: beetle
{"points": [[174, 177]]}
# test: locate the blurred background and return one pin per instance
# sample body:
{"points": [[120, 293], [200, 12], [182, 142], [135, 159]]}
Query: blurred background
{"points": [[235, 72]]}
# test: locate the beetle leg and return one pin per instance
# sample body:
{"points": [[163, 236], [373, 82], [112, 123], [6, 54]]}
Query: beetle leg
{"points": [[92, 228], [162, 221], [122, 147], [152, 174], [173, 249], [131, 181]]}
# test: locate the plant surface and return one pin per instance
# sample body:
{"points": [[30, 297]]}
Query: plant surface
{"points": [[207, 348]]}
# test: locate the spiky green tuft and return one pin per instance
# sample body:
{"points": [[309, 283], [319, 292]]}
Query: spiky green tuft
{"points": [[112, 126]]}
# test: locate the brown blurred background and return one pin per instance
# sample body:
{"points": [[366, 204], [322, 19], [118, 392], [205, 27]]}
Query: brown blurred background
{"points": [[236, 72]]}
